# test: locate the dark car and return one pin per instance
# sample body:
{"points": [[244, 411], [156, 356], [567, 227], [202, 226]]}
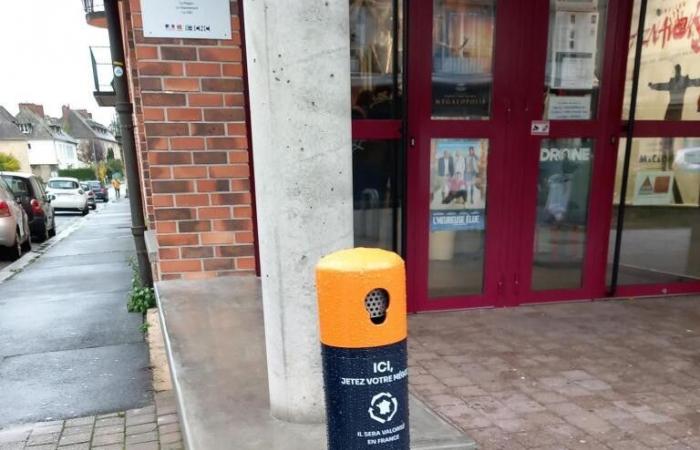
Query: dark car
{"points": [[99, 189], [92, 203], [30, 193]]}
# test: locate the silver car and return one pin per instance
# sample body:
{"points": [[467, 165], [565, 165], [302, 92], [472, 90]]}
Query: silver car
{"points": [[14, 225]]}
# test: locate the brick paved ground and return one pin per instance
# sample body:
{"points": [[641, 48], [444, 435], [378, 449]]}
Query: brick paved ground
{"points": [[606, 375], [151, 428]]}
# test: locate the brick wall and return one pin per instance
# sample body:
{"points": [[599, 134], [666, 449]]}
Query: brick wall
{"points": [[193, 144]]}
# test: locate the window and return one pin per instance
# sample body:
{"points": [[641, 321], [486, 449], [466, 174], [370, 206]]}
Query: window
{"points": [[375, 59], [375, 65], [25, 128], [63, 184], [659, 236]]}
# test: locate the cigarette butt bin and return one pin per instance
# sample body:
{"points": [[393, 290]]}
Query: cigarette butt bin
{"points": [[362, 322]]}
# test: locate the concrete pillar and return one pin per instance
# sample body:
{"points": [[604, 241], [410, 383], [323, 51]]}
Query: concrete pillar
{"points": [[299, 79]]}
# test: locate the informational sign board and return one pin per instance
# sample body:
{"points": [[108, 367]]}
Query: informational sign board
{"points": [[574, 50], [569, 107], [189, 19], [653, 188], [539, 128]]}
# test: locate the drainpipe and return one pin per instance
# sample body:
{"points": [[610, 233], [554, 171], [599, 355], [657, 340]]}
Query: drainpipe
{"points": [[125, 110]]}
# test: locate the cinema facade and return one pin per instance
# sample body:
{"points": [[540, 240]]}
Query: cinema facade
{"points": [[492, 146]]}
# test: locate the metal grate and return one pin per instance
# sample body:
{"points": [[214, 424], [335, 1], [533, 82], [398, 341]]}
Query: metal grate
{"points": [[376, 304]]}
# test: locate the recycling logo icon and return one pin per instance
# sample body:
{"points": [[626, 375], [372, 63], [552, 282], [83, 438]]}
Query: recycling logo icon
{"points": [[383, 407]]}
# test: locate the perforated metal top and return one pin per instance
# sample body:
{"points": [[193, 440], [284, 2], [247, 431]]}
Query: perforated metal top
{"points": [[376, 303]]}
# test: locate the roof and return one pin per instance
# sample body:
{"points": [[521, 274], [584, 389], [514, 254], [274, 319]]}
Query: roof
{"points": [[9, 131], [83, 127], [44, 128]]}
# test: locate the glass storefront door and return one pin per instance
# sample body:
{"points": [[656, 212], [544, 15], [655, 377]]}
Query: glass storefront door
{"points": [[510, 116]]}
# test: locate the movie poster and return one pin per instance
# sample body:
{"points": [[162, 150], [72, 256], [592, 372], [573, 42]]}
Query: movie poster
{"points": [[463, 38], [458, 185], [669, 80]]}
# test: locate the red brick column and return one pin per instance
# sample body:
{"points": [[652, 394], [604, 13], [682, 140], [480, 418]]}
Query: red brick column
{"points": [[191, 123]]}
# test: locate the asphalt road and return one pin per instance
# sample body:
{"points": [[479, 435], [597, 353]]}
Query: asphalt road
{"points": [[68, 347]]}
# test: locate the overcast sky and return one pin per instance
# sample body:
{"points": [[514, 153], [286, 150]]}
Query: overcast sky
{"points": [[44, 49]]}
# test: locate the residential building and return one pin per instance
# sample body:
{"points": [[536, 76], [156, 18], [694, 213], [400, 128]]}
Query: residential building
{"points": [[13, 141], [50, 147], [95, 141]]}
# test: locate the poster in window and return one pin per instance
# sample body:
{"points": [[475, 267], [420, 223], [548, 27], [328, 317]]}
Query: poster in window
{"points": [[458, 185], [463, 37], [653, 187], [574, 50]]}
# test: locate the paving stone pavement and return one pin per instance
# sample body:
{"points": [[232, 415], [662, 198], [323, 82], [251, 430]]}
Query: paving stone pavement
{"points": [[154, 427], [594, 375]]}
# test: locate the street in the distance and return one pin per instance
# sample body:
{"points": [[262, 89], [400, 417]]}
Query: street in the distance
{"points": [[64, 221]]}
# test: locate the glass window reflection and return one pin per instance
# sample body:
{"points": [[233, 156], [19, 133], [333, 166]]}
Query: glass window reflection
{"points": [[562, 213], [373, 56], [463, 50], [377, 207]]}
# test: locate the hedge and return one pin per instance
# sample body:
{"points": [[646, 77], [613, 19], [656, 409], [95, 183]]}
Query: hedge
{"points": [[82, 174]]}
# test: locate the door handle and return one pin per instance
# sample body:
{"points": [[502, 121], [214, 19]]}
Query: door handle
{"points": [[509, 109]]}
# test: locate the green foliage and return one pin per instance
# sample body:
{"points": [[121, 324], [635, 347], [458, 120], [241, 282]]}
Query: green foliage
{"points": [[110, 154], [144, 327], [83, 174], [9, 163], [114, 166], [101, 171], [141, 298]]}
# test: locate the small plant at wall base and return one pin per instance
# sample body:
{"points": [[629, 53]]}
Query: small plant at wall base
{"points": [[9, 163], [141, 298]]}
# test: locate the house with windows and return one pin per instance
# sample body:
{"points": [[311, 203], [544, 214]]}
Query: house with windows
{"points": [[12, 141], [50, 147], [95, 141]]}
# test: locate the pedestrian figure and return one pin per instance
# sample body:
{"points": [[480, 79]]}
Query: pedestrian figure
{"points": [[116, 184], [676, 88]]}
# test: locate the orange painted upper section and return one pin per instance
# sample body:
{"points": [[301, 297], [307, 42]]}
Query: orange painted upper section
{"points": [[343, 281]]}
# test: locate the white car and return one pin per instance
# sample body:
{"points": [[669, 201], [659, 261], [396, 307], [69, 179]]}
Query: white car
{"points": [[14, 225], [67, 195]]}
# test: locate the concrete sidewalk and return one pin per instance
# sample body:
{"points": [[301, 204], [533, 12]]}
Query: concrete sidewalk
{"points": [[68, 347], [152, 427]]}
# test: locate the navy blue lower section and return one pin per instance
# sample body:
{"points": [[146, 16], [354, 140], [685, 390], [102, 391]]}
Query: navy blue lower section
{"points": [[367, 397]]}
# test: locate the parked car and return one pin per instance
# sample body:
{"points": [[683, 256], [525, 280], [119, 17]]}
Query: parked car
{"points": [[67, 195], [92, 202], [30, 192], [14, 226], [99, 189]]}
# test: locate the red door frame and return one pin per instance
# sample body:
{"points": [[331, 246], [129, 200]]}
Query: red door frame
{"points": [[601, 130], [421, 129], [515, 102]]}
